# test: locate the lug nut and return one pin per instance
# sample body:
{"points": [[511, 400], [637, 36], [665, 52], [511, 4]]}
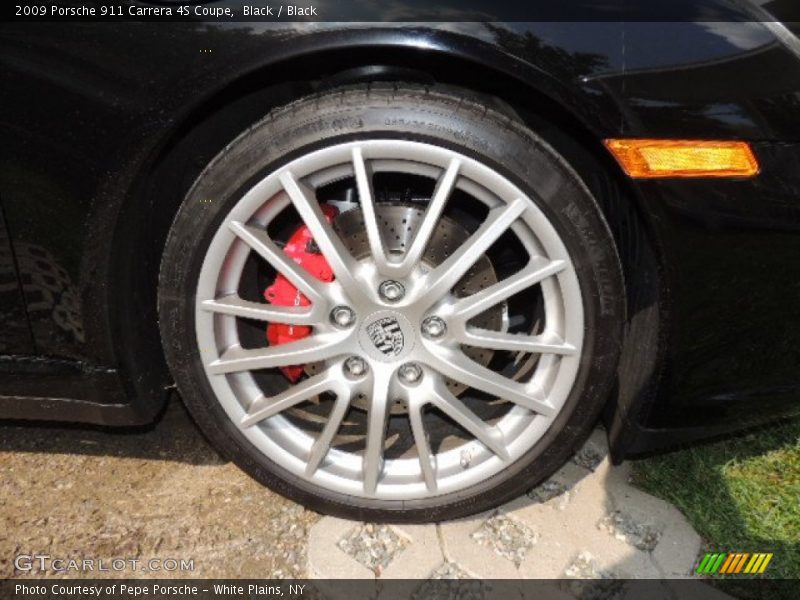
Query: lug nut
{"points": [[355, 366], [391, 291], [433, 327], [343, 316], [409, 373]]}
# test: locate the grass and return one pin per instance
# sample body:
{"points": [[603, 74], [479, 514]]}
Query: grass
{"points": [[741, 494]]}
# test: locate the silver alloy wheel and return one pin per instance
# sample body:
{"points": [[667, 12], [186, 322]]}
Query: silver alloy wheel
{"points": [[426, 292]]}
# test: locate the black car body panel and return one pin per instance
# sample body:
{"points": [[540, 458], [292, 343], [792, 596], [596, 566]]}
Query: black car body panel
{"points": [[105, 125], [16, 335]]}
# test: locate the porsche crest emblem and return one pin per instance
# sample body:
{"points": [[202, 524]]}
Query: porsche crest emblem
{"points": [[387, 336]]}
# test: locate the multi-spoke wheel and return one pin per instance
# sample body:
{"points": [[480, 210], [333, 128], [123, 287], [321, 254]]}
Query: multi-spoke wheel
{"points": [[392, 304]]}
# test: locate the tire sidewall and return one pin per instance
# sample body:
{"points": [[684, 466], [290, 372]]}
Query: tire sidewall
{"points": [[419, 115]]}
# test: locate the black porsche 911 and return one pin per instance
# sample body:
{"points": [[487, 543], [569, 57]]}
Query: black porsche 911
{"points": [[400, 270]]}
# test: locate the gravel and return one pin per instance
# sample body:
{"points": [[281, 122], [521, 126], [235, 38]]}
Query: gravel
{"points": [[589, 456], [460, 587], [604, 585], [374, 546], [508, 537], [584, 567], [549, 490], [626, 529], [449, 570], [159, 493]]}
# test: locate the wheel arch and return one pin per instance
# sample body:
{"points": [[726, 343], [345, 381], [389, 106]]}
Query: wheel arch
{"points": [[527, 93]]}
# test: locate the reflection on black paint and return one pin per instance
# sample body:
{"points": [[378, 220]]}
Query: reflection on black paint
{"points": [[15, 337]]}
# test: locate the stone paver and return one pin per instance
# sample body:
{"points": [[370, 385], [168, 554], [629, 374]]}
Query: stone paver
{"points": [[585, 522]]}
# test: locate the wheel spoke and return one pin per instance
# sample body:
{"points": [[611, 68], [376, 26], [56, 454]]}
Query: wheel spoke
{"points": [[489, 435], [235, 306], [260, 242], [306, 350], [534, 272], [456, 365], [426, 462], [376, 430], [430, 219], [496, 340], [303, 198], [367, 199], [264, 408], [448, 273], [322, 444]]}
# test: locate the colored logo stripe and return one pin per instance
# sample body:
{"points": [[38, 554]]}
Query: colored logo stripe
{"points": [[734, 563]]}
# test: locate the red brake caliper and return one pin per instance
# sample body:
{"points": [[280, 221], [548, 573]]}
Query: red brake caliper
{"points": [[304, 251]]}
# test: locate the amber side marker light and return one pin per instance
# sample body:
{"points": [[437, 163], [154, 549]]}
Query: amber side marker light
{"points": [[649, 159]]}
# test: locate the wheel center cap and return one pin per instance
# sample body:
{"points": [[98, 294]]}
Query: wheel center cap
{"points": [[386, 336]]}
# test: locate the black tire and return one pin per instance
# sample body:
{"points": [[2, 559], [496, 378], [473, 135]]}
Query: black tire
{"points": [[416, 114]]}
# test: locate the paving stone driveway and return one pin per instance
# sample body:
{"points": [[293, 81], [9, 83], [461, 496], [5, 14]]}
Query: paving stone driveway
{"points": [[586, 522], [70, 491]]}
